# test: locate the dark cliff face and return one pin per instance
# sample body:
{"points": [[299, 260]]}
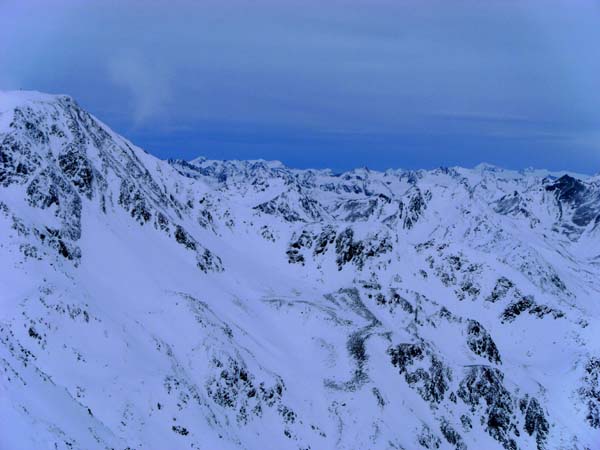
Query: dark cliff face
{"points": [[568, 189], [582, 199]]}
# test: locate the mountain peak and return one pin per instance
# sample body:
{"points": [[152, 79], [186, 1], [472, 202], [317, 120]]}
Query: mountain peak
{"points": [[271, 164], [486, 167], [15, 98]]}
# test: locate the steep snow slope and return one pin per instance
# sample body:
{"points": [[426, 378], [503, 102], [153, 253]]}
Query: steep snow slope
{"points": [[243, 304]]}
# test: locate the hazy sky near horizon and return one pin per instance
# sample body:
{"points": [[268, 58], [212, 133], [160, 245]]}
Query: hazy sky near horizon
{"points": [[377, 83]]}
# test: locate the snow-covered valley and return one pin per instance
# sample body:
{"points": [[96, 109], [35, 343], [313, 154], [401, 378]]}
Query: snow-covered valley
{"points": [[149, 304]]}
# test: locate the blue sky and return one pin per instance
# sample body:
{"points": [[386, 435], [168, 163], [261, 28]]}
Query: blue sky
{"points": [[340, 84]]}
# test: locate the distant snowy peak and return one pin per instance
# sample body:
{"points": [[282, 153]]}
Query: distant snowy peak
{"points": [[547, 200], [203, 162]]}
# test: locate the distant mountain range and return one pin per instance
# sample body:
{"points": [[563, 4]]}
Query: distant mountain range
{"points": [[149, 304]]}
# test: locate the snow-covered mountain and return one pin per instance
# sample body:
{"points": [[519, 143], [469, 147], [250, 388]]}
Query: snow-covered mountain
{"points": [[147, 304]]}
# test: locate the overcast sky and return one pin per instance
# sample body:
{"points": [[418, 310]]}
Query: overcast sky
{"points": [[331, 83]]}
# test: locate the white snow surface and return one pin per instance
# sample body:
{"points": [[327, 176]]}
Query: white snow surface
{"points": [[149, 304]]}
